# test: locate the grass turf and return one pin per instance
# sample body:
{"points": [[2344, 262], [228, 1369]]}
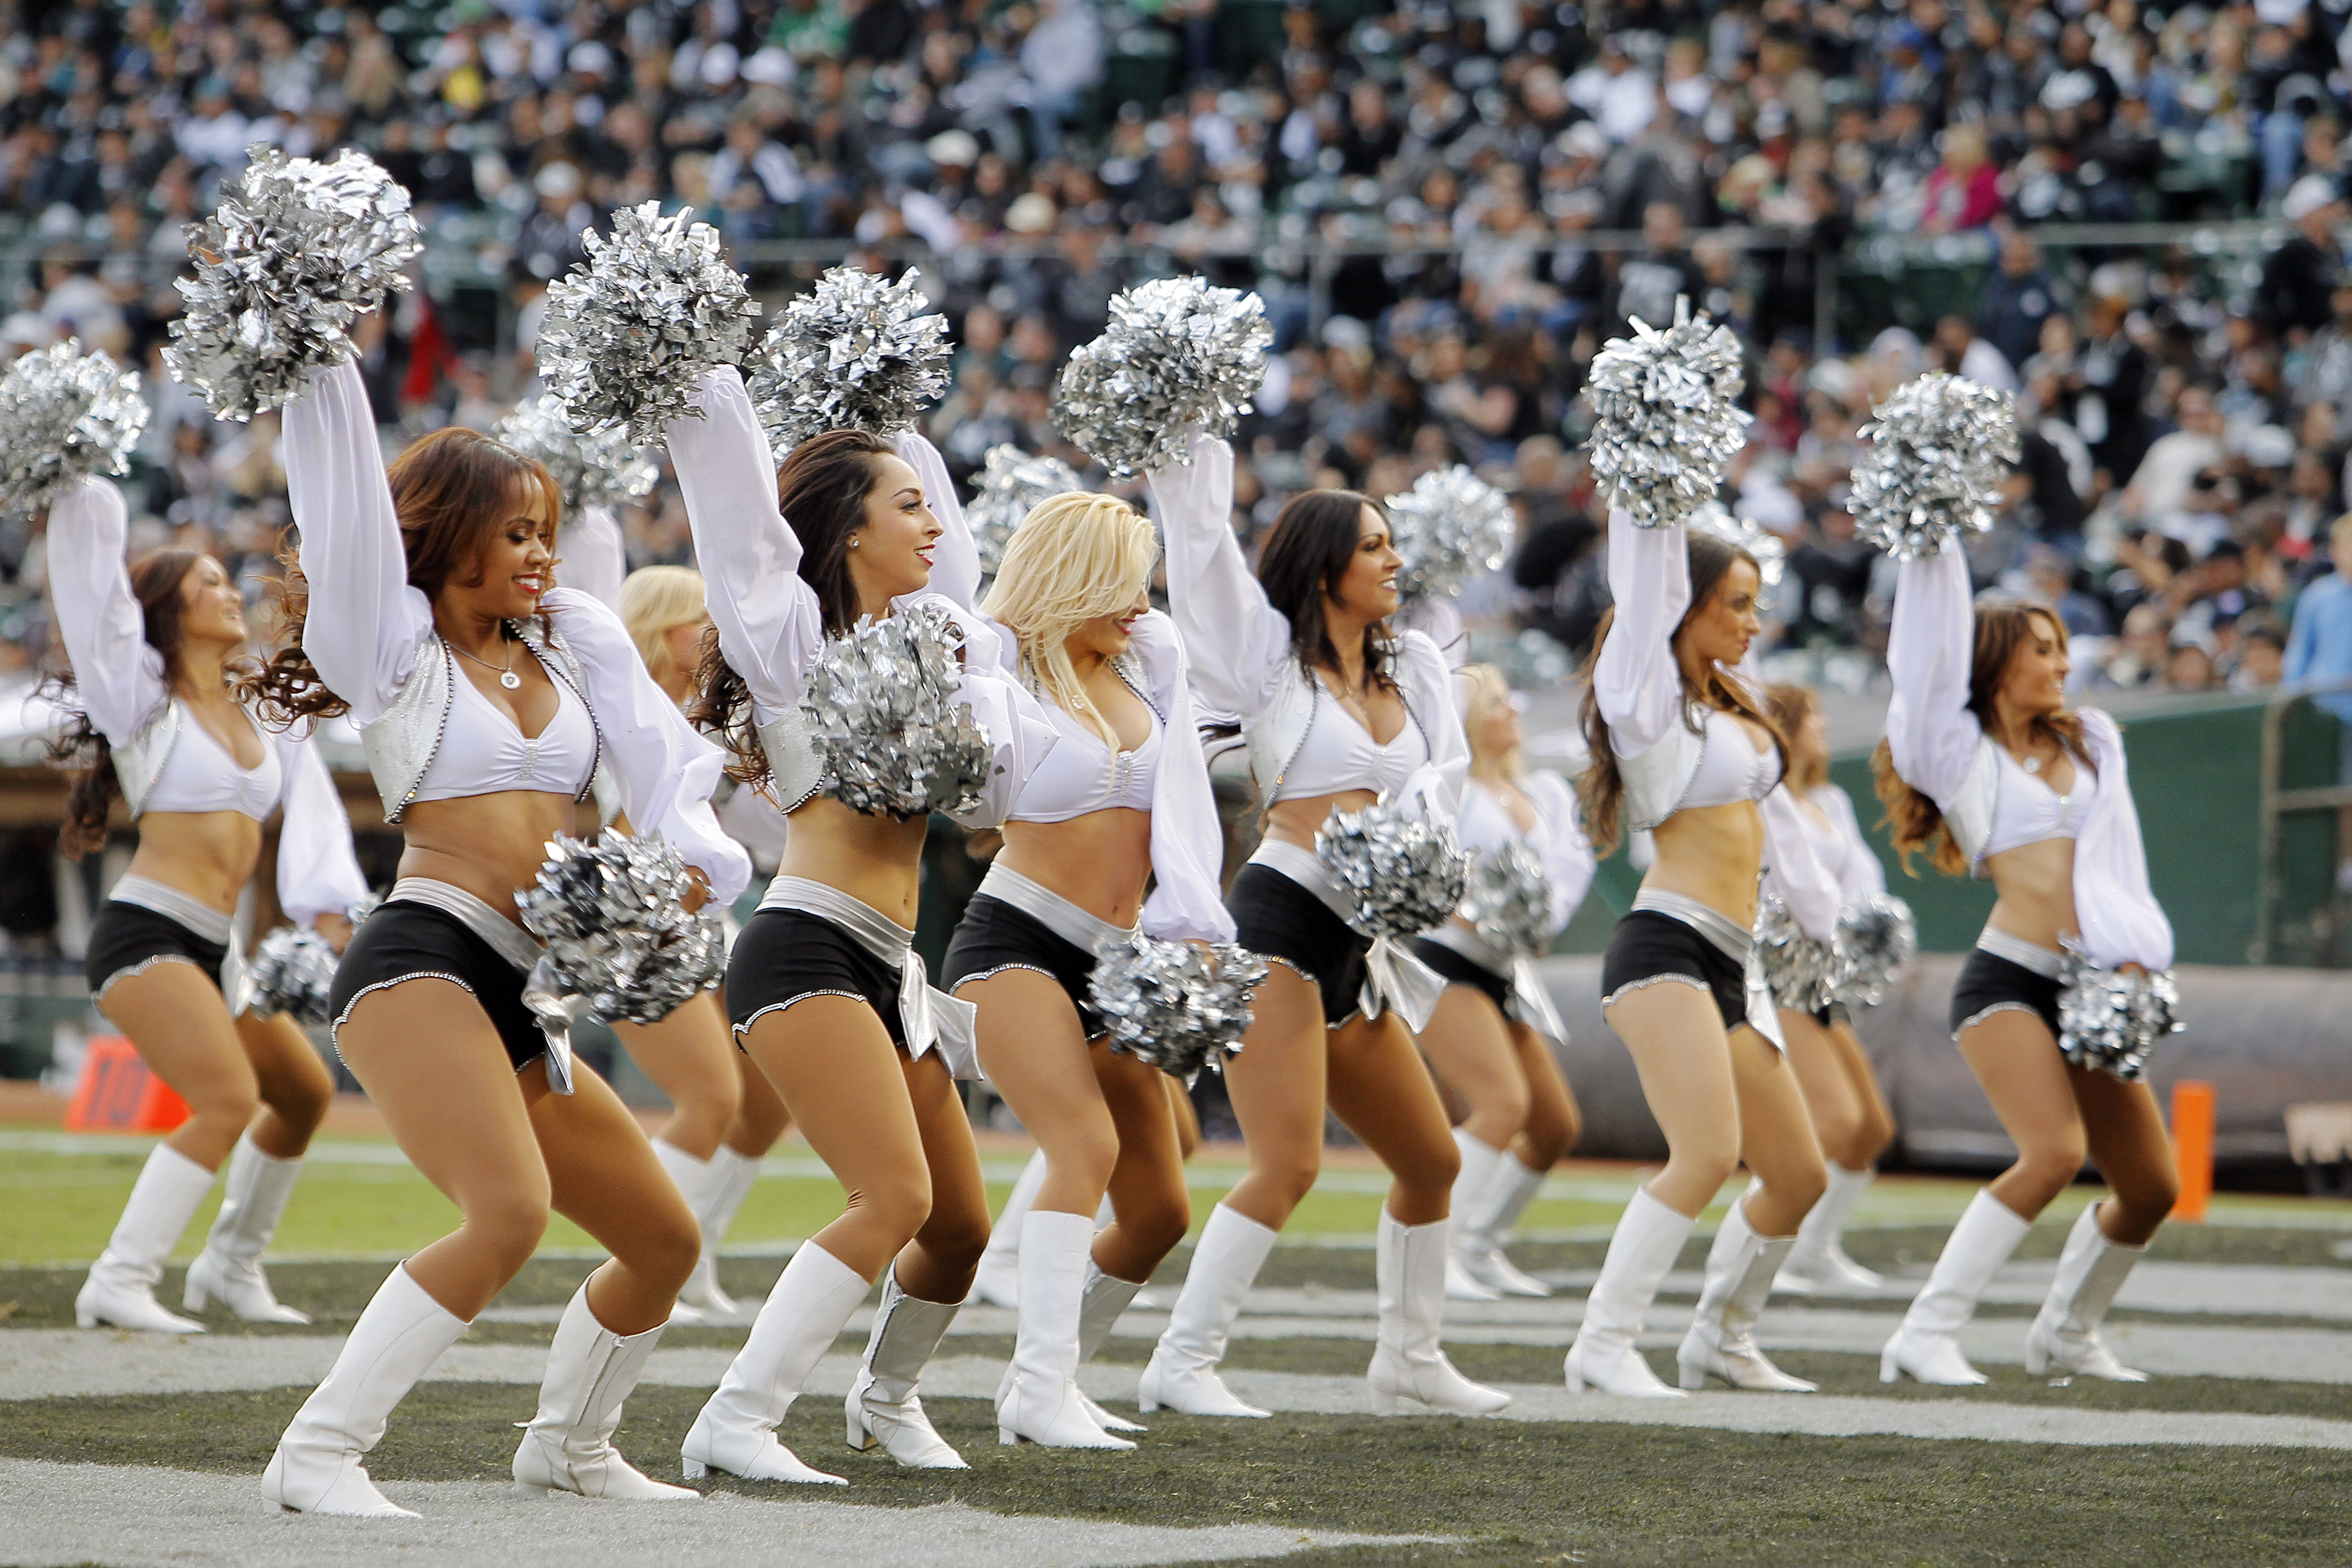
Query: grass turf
{"points": [[1508, 1491]]}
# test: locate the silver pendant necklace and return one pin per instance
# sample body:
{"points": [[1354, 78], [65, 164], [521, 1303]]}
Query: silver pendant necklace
{"points": [[507, 677]]}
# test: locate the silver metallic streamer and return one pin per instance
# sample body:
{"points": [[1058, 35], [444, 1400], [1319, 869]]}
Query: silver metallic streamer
{"points": [[619, 938], [292, 971], [1401, 872], [1772, 554], [1508, 899], [2110, 1018], [1805, 974], [1666, 416], [296, 252], [881, 707], [856, 353], [1177, 353], [1011, 483], [602, 468], [630, 332], [64, 415], [1939, 449], [1174, 1006], [1451, 527], [1879, 938]]}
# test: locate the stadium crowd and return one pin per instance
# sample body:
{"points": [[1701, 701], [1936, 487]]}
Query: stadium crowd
{"points": [[2186, 424]]}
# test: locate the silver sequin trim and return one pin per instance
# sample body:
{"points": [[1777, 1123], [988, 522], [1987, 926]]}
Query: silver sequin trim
{"points": [[132, 971], [335, 1030], [1001, 968], [1649, 979], [780, 1006], [1973, 1019]]}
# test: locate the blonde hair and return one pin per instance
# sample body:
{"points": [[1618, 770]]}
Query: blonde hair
{"points": [[1073, 557], [1483, 683], [654, 601]]}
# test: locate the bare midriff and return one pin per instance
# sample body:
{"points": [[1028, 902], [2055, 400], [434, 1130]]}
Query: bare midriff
{"points": [[489, 845], [1712, 854], [877, 860], [1098, 861], [208, 855], [2036, 887], [1299, 821]]}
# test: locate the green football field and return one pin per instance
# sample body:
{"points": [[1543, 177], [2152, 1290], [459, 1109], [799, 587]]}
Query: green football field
{"points": [[129, 1449]]}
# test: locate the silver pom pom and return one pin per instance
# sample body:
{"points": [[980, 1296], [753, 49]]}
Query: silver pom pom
{"points": [[1508, 899], [856, 353], [1772, 554], [1879, 938], [603, 468], [1177, 353], [1173, 1005], [630, 332], [1666, 417], [1804, 974], [297, 251], [292, 971], [880, 706], [65, 416], [1451, 527], [2110, 1018], [613, 914], [1939, 449], [1402, 871], [1011, 483]]}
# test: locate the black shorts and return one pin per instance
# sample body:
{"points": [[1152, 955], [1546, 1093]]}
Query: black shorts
{"points": [[131, 939], [995, 936], [1991, 984], [402, 941], [1459, 971], [1649, 946], [786, 956], [1281, 921], [1830, 1014]]}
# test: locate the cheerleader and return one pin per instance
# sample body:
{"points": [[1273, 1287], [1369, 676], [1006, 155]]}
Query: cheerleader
{"points": [[1681, 746], [489, 702], [1851, 1119], [1123, 799], [154, 649], [1487, 1041], [726, 1116], [1985, 769], [1336, 713], [824, 989]]}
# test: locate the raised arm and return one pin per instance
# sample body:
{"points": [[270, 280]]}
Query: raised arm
{"points": [[1568, 864], [1929, 648], [955, 559], [666, 771], [1237, 642], [364, 622], [118, 674], [592, 557], [1636, 682], [318, 874], [770, 624]]}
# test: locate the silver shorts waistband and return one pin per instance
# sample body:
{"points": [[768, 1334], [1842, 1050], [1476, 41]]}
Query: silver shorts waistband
{"points": [[510, 941], [2025, 954], [172, 904], [1081, 929], [1304, 868], [1709, 923]]}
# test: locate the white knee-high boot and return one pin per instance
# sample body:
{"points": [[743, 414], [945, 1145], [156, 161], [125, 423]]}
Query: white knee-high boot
{"points": [[317, 1467], [1487, 1225], [691, 1176], [1927, 1343], [736, 1431], [1641, 1253], [1182, 1373], [1039, 1402], [1722, 1338], [1478, 1161], [568, 1446], [883, 1407], [2065, 1332], [732, 1177], [998, 1283], [1099, 1305], [121, 1288], [1408, 1363], [1818, 1265], [229, 1267]]}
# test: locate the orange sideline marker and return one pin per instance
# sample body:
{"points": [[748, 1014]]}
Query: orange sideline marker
{"points": [[2193, 1145], [117, 1093]]}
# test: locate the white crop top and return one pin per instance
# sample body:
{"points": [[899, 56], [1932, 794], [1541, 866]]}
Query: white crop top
{"points": [[200, 775], [1337, 754], [2026, 810], [1083, 775], [484, 751], [1556, 837], [1730, 768]]}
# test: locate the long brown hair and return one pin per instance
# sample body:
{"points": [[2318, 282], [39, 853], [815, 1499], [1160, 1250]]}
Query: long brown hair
{"points": [[1309, 550], [449, 489], [157, 581], [1603, 787], [1917, 821], [821, 489], [1791, 706]]}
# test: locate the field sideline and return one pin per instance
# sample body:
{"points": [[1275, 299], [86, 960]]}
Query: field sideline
{"points": [[128, 1450]]}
